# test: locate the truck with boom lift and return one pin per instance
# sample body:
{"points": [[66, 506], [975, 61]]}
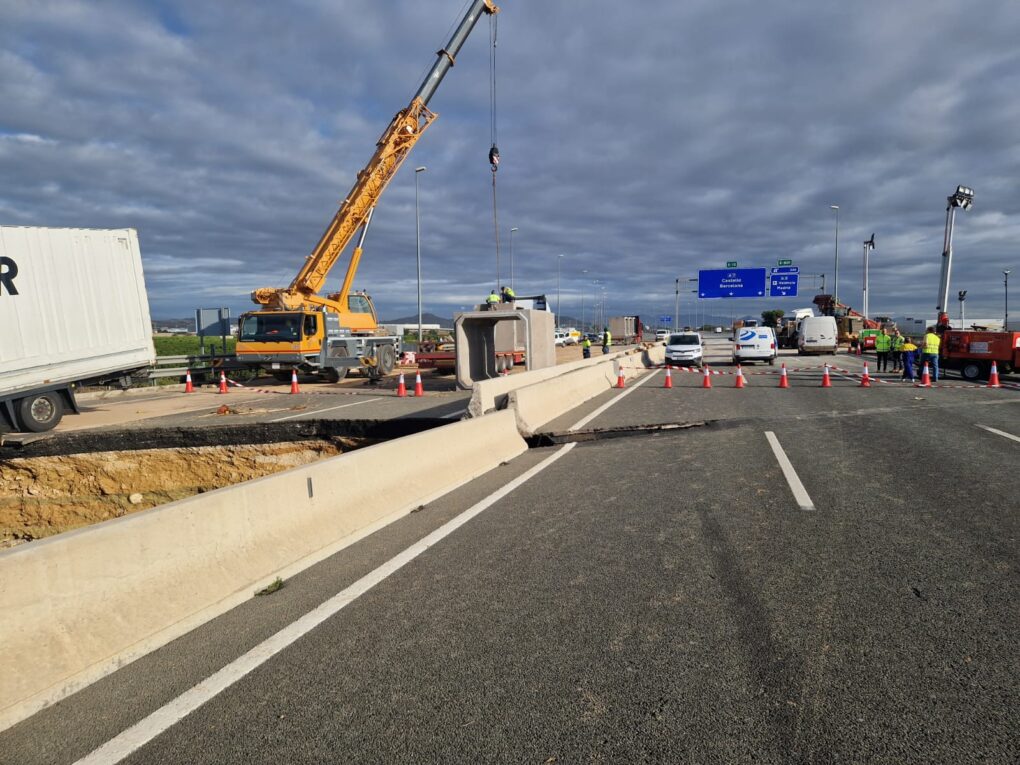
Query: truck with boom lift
{"points": [[297, 327]]}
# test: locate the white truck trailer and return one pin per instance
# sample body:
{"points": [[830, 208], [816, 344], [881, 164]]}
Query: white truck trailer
{"points": [[73, 310]]}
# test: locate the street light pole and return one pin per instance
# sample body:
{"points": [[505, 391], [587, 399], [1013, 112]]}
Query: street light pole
{"points": [[676, 307], [1005, 313], [584, 273], [417, 235], [868, 247], [512, 256], [962, 295], [559, 260], [835, 280]]}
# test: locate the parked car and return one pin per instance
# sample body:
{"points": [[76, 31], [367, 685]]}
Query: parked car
{"points": [[560, 337], [684, 349], [817, 334], [661, 334]]}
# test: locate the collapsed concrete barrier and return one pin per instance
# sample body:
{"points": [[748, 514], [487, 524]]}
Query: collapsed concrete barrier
{"points": [[79, 605], [538, 404], [493, 394]]}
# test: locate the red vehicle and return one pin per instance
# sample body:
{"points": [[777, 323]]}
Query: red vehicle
{"points": [[973, 351]]}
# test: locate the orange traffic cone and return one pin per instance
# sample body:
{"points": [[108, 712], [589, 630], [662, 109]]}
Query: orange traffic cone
{"points": [[188, 387], [826, 382], [223, 382], [859, 351], [619, 377], [293, 382], [925, 377], [706, 380], [993, 378], [419, 389], [783, 382], [740, 378], [401, 387], [669, 377], [865, 379]]}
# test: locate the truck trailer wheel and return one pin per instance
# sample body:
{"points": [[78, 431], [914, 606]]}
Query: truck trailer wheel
{"points": [[973, 370], [334, 374], [41, 412]]}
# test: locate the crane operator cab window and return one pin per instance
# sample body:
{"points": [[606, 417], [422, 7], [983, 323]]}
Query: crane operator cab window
{"points": [[311, 325], [358, 304]]}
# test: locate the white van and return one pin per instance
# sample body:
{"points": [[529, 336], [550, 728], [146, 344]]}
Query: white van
{"points": [[754, 344], [817, 334]]}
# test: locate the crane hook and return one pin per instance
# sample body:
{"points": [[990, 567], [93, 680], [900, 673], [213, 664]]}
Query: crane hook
{"points": [[494, 157]]}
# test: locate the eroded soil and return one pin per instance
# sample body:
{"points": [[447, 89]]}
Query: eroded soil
{"points": [[42, 496]]}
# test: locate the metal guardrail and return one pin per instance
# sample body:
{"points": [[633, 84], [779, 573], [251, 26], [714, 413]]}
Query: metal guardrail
{"points": [[181, 364]]}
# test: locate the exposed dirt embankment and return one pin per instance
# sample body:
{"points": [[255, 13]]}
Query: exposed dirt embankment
{"points": [[42, 496]]}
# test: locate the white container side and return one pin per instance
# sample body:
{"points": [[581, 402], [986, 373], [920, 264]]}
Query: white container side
{"points": [[80, 311]]}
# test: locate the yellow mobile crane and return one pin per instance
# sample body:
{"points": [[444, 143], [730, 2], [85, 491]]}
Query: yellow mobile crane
{"points": [[329, 334]]}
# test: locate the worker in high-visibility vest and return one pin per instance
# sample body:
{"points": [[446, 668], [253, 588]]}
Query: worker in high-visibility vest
{"points": [[909, 357], [492, 300], [586, 347], [883, 344], [897, 351], [607, 340], [930, 352], [507, 295]]}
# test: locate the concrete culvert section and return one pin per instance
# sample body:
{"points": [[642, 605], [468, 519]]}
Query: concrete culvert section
{"points": [[42, 496]]}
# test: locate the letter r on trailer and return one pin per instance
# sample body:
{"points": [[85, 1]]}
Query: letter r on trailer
{"points": [[8, 270]]}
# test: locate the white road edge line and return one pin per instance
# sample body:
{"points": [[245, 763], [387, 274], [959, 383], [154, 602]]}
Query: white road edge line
{"points": [[585, 420], [799, 492], [142, 732], [320, 411], [999, 432], [163, 718]]}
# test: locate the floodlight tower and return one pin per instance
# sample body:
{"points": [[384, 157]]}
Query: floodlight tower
{"points": [[963, 197], [962, 295], [868, 247]]}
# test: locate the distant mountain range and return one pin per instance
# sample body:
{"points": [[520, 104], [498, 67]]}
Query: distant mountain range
{"points": [[426, 318]]}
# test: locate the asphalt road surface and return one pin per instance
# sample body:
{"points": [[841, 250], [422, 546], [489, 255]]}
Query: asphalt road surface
{"points": [[818, 575]]}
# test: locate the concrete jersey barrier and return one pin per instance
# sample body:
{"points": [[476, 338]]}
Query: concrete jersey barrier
{"points": [[81, 604]]}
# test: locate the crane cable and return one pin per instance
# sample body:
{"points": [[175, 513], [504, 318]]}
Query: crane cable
{"points": [[494, 149]]}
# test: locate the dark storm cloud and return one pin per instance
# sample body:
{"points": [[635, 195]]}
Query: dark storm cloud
{"points": [[642, 141]]}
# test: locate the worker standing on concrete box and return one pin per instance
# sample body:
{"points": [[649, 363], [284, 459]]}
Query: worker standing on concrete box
{"points": [[930, 354], [607, 340], [492, 300], [507, 295], [897, 342], [909, 357], [883, 344]]}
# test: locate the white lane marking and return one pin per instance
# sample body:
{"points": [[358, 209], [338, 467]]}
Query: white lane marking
{"points": [[451, 415], [147, 729], [138, 735], [320, 411], [585, 420], [999, 432], [799, 492]]}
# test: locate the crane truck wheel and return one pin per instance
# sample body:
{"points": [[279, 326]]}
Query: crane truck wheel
{"points": [[386, 359], [41, 412], [334, 374]]}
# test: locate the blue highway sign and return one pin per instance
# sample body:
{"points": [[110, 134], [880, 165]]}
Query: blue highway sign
{"points": [[731, 283], [783, 285], [786, 270], [665, 319]]}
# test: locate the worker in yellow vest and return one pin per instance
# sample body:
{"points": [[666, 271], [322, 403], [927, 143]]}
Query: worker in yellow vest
{"points": [[897, 351], [930, 352], [883, 344], [607, 340], [492, 300], [909, 357]]}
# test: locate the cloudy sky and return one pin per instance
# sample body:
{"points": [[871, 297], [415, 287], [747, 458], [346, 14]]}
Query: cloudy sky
{"points": [[642, 141]]}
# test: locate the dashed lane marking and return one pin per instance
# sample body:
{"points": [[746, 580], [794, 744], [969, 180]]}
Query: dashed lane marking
{"points": [[320, 411], [1000, 433], [799, 492]]}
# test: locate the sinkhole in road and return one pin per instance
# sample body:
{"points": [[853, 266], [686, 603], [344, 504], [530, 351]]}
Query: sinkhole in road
{"points": [[77, 479]]}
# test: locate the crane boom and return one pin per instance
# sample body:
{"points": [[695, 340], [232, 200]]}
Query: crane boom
{"points": [[355, 211]]}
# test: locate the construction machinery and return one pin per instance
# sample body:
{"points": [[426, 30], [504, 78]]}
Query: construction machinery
{"points": [[297, 327], [849, 322]]}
